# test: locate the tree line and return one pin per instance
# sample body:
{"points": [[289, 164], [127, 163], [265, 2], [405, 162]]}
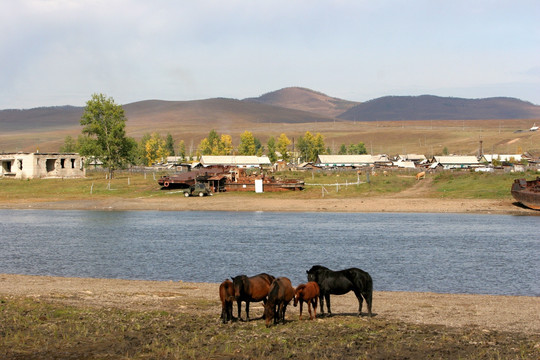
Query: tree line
{"points": [[103, 138]]}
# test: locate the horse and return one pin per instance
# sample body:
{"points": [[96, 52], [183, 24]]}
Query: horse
{"points": [[251, 289], [341, 282], [421, 175], [226, 294], [307, 293], [281, 293]]}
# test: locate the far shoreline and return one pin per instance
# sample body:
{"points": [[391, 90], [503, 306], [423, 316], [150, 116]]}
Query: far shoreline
{"points": [[233, 202]]}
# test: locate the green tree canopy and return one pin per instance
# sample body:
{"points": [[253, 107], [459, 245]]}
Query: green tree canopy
{"points": [[69, 145], [271, 144], [104, 124], [169, 145], [247, 144], [310, 147], [282, 146]]}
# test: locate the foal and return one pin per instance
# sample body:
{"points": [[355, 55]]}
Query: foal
{"points": [[308, 293]]}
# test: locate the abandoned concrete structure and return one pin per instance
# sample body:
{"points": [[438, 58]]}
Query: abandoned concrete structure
{"points": [[41, 165]]}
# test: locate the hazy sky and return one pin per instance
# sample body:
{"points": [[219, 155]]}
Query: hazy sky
{"points": [[58, 52]]}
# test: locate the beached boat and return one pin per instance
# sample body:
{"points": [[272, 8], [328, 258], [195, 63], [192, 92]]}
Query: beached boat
{"points": [[527, 192]]}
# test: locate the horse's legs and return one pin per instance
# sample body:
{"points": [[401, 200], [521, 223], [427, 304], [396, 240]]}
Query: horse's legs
{"points": [[314, 307], [321, 304], [283, 313], [360, 301], [239, 303], [369, 297], [309, 309], [301, 303], [327, 296], [247, 310]]}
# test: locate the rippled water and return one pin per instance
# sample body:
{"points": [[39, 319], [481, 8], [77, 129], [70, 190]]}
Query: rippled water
{"points": [[450, 253]]}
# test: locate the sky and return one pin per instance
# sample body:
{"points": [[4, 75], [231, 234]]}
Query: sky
{"points": [[60, 52]]}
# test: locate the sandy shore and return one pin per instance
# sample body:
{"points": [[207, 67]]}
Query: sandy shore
{"points": [[486, 312], [232, 202]]}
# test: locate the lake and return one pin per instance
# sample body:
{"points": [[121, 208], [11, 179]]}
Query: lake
{"points": [[446, 253]]}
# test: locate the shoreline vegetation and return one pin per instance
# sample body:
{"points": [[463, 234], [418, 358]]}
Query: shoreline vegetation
{"points": [[44, 317]]}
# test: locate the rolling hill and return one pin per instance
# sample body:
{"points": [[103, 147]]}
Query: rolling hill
{"points": [[305, 100], [429, 107]]}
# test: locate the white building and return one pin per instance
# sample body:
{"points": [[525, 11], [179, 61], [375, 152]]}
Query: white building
{"points": [[42, 165], [240, 161], [351, 160]]}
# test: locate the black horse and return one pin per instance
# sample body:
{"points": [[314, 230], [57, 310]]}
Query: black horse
{"points": [[341, 282]]}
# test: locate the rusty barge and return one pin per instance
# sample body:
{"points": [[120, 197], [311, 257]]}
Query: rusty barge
{"points": [[222, 178], [527, 192]]}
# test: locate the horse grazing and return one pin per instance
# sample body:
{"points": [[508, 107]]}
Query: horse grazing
{"points": [[341, 282], [281, 293], [307, 293], [421, 175], [226, 294], [251, 289]]}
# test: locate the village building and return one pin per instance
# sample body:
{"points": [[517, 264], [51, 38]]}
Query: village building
{"points": [[456, 162], [41, 165], [516, 158], [415, 158], [240, 161], [351, 161]]}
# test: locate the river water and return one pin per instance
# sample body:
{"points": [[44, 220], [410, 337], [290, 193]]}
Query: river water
{"points": [[446, 253]]}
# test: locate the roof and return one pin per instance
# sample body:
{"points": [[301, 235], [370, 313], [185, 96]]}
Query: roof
{"points": [[345, 159], [456, 159], [491, 157], [234, 160], [413, 157]]}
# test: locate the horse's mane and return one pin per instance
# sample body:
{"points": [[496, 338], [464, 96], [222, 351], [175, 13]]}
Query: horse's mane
{"points": [[317, 268]]}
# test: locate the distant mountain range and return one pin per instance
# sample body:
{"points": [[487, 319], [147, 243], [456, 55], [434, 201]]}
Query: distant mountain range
{"points": [[288, 105]]}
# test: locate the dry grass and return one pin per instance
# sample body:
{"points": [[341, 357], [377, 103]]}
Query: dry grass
{"points": [[33, 329]]}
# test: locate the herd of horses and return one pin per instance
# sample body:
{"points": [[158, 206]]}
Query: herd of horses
{"points": [[277, 293]]}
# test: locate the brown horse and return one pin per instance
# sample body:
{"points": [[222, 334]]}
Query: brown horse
{"points": [[281, 293], [226, 294], [251, 289], [308, 293]]}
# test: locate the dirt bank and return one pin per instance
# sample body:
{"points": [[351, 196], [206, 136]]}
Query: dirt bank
{"points": [[232, 202], [503, 313]]}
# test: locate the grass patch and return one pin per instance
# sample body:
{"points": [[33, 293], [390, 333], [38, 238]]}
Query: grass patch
{"points": [[33, 329], [337, 184]]}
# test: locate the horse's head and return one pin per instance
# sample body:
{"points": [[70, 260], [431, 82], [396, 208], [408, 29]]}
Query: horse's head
{"points": [[240, 284], [269, 313]]}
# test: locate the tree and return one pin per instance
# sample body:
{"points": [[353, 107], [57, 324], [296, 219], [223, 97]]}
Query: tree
{"points": [[225, 146], [342, 150], [104, 124], [357, 149], [271, 144], [156, 149], [182, 150], [310, 147], [282, 146], [169, 144], [69, 145], [247, 144]]}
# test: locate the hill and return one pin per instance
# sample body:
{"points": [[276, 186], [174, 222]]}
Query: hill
{"points": [[429, 107], [305, 100]]}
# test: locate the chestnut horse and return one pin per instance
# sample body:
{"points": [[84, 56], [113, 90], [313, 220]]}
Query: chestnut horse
{"points": [[281, 293], [308, 293], [226, 294], [251, 289], [341, 282]]}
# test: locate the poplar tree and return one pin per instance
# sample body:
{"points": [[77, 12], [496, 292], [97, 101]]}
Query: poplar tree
{"points": [[104, 134]]}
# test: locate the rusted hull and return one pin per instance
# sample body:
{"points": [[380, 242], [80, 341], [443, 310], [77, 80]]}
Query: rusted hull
{"points": [[527, 192], [267, 187]]}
